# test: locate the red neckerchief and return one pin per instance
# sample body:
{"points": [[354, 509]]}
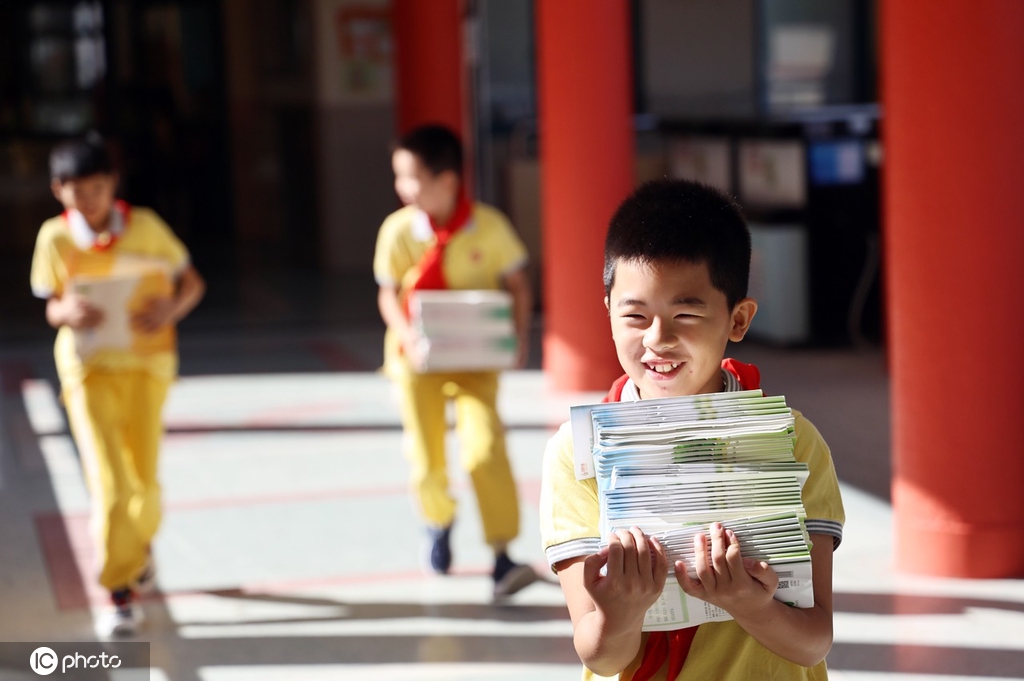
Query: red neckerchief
{"points": [[430, 266], [106, 240], [674, 645]]}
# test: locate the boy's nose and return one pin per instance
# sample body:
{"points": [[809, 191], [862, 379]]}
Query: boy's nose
{"points": [[658, 336]]}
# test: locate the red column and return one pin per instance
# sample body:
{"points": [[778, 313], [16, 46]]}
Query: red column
{"points": [[952, 74], [429, 72], [584, 75]]}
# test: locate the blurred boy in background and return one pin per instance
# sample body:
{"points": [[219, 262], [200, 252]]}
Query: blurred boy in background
{"points": [[442, 240], [116, 281]]}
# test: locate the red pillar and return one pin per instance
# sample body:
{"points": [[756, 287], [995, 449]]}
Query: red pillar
{"points": [[954, 237], [584, 75], [429, 73]]}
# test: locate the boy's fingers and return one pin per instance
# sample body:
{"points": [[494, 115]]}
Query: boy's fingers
{"points": [[615, 558], [700, 561], [764, 574], [629, 550], [643, 551], [718, 547], [689, 586], [659, 564], [626, 538], [659, 558], [592, 568], [732, 554]]}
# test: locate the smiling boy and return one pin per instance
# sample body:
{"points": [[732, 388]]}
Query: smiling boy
{"points": [[677, 260]]}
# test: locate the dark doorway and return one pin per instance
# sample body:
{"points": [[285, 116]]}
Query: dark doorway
{"points": [[149, 75]]}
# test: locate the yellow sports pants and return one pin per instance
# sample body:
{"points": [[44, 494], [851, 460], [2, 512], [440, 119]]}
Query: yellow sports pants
{"points": [[116, 421], [482, 453]]}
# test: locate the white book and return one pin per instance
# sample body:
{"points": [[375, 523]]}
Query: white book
{"points": [[110, 295], [464, 330]]}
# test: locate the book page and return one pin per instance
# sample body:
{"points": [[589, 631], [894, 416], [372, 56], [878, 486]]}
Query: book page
{"points": [[110, 295]]}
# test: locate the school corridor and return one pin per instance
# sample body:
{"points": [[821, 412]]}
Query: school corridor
{"points": [[289, 549]]}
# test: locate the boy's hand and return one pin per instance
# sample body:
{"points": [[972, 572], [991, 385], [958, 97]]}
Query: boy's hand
{"points": [[637, 568], [79, 313], [726, 579], [413, 349], [157, 313]]}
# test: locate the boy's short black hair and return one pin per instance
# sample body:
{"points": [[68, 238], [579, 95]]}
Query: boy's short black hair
{"points": [[437, 147], [682, 221], [80, 157]]}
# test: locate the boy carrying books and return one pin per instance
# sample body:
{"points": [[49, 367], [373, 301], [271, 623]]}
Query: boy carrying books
{"points": [[677, 261], [116, 281], [443, 240]]}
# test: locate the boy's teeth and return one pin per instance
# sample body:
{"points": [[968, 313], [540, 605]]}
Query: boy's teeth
{"points": [[664, 368]]}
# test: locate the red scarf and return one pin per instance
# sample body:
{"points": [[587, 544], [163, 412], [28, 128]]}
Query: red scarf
{"points": [[106, 240], [431, 270], [674, 645]]}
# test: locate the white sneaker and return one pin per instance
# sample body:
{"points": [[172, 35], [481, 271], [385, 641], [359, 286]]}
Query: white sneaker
{"points": [[124, 620]]}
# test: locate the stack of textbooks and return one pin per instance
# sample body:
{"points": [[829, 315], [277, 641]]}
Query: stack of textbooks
{"points": [[464, 330], [672, 466]]}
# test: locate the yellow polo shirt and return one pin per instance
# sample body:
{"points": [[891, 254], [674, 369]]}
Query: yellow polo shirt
{"points": [[144, 261], [477, 257]]}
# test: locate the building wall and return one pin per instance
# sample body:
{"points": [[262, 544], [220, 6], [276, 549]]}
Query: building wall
{"points": [[310, 133], [355, 125], [698, 57]]}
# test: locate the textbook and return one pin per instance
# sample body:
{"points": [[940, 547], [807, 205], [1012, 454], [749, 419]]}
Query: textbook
{"points": [[464, 330], [119, 294], [110, 295], [672, 466]]}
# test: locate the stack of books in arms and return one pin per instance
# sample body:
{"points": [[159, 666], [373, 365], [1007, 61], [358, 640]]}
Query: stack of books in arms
{"points": [[672, 466], [464, 330]]}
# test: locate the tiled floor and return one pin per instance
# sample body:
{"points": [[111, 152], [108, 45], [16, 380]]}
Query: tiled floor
{"points": [[289, 549]]}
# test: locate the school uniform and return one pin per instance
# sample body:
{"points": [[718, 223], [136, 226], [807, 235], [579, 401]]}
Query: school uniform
{"points": [[478, 256], [114, 390]]}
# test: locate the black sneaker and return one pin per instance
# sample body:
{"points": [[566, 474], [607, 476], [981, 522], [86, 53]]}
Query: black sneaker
{"points": [[440, 549], [510, 577]]}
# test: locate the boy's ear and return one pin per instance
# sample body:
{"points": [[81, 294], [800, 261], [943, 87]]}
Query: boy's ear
{"points": [[55, 186], [742, 314], [608, 304]]}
